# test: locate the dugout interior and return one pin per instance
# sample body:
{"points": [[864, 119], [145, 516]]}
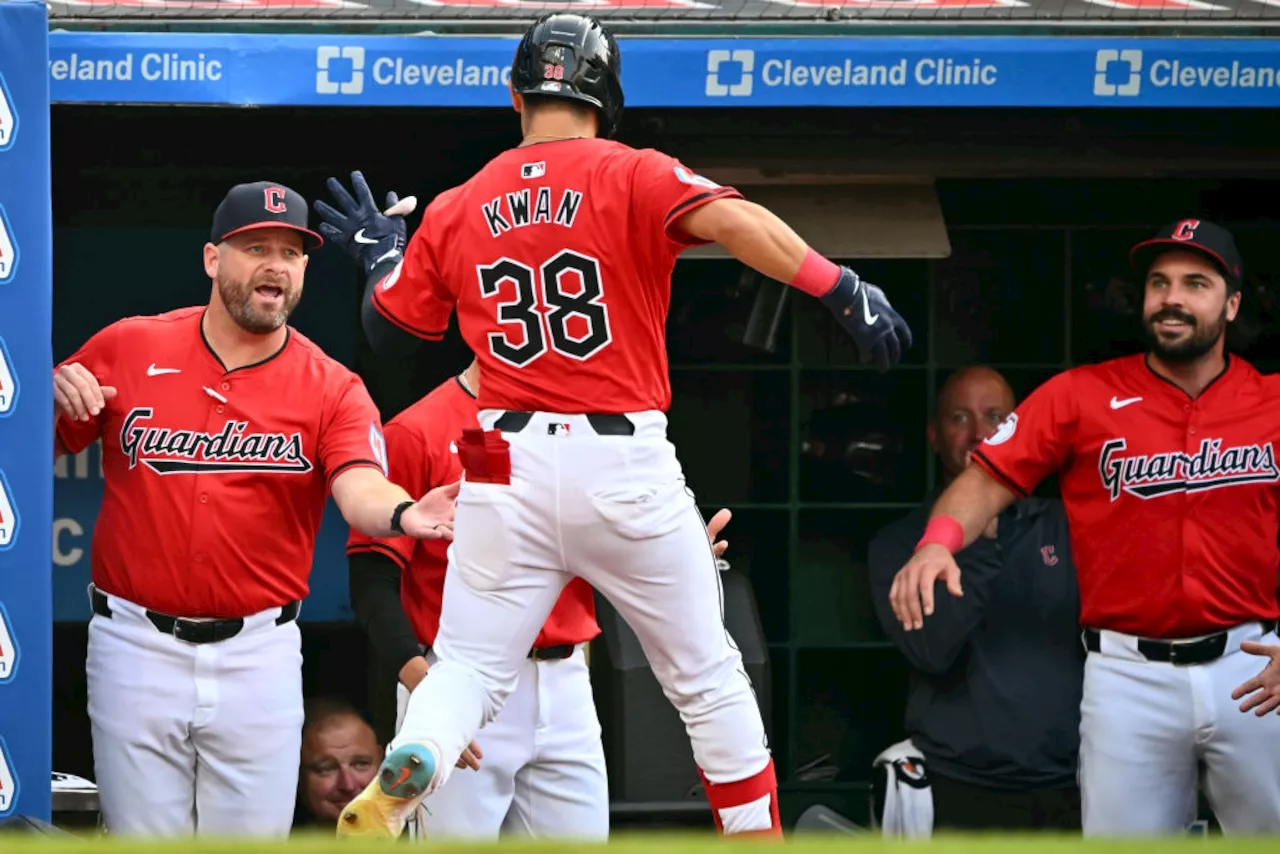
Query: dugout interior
{"points": [[1001, 235]]}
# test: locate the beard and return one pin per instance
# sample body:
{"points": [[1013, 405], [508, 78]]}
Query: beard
{"points": [[1200, 342], [237, 296]]}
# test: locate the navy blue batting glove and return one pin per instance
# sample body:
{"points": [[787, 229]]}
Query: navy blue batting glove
{"points": [[361, 228], [880, 333]]}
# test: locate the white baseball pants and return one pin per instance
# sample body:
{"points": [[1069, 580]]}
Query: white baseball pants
{"points": [[614, 510], [543, 772], [1147, 726], [195, 739]]}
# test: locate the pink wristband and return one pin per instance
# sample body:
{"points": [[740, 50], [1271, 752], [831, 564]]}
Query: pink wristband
{"points": [[945, 531], [816, 276]]}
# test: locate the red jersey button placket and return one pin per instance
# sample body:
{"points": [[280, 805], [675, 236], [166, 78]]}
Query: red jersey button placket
{"points": [[200, 524], [1187, 503], [217, 419]]}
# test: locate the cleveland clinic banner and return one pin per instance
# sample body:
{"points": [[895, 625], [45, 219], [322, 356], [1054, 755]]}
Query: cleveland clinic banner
{"points": [[26, 412], [876, 71]]}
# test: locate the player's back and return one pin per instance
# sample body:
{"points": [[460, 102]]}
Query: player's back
{"points": [[560, 256]]}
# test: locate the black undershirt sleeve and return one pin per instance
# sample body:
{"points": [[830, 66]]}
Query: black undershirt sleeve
{"points": [[385, 338], [374, 581]]}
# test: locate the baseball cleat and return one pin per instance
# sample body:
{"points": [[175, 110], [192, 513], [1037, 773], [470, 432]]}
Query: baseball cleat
{"points": [[382, 809]]}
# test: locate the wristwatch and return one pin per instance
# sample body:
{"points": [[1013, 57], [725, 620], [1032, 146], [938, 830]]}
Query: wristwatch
{"points": [[397, 513]]}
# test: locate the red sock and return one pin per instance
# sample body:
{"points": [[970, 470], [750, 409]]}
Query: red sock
{"points": [[735, 797]]}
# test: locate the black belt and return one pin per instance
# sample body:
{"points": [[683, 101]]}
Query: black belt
{"points": [[1199, 651], [552, 653], [513, 421], [189, 630], [541, 653]]}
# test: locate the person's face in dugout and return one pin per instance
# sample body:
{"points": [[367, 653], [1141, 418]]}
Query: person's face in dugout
{"points": [[259, 276], [338, 761], [970, 408], [1186, 307]]}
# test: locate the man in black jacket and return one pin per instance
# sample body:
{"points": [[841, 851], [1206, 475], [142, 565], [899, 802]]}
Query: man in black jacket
{"points": [[994, 705]]}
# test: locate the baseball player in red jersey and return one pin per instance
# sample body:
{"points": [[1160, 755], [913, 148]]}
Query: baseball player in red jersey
{"points": [[558, 256], [1167, 465], [543, 770], [223, 432]]}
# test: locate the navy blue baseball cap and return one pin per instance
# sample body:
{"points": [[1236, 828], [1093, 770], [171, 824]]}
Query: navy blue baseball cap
{"points": [[1193, 235], [263, 204]]}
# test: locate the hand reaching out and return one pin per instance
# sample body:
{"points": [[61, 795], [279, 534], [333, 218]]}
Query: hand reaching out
{"points": [[432, 517], [714, 527], [1263, 690]]}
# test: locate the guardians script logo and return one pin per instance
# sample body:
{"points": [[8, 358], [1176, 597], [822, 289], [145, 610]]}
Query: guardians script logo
{"points": [[1212, 467], [168, 451]]}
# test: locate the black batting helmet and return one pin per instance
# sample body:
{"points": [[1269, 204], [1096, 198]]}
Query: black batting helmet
{"points": [[565, 55]]}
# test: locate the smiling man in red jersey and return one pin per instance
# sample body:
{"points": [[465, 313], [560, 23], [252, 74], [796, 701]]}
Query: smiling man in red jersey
{"points": [[1168, 471]]}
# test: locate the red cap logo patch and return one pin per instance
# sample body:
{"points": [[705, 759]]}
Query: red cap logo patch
{"points": [[275, 200]]}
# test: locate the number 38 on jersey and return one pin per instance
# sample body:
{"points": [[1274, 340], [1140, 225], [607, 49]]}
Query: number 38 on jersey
{"points": [[558, 306]]}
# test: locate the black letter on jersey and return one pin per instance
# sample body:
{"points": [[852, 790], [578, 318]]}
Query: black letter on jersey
{"points": [[493, 217], [568, 208], [542, 213], [519, 204]]}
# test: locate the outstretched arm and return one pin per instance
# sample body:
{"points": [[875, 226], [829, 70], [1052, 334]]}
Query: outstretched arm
{"points": [[376, 240], [959, 516], [972, 500], [754, 235], [368, 503], [758, 238], [386, 339]]}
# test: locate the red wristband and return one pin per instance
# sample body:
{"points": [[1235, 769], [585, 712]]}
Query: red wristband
{"points": [[816, 276], [945, 531]]}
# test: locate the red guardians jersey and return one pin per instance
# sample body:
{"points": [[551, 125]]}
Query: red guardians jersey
{"points": [[1172, 501], [558, 257], [215, 480], [422, 455]]}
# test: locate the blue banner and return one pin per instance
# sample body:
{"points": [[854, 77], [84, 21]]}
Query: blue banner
{"points": [[26, 412], [436, 71]]}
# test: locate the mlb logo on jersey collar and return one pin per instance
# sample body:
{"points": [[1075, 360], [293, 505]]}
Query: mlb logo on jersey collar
{"points": [[8, 647]]}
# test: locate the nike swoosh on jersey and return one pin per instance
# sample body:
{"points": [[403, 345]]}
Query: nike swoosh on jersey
{"points": [[1120, 404], [360, 238], [153, 371]]}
